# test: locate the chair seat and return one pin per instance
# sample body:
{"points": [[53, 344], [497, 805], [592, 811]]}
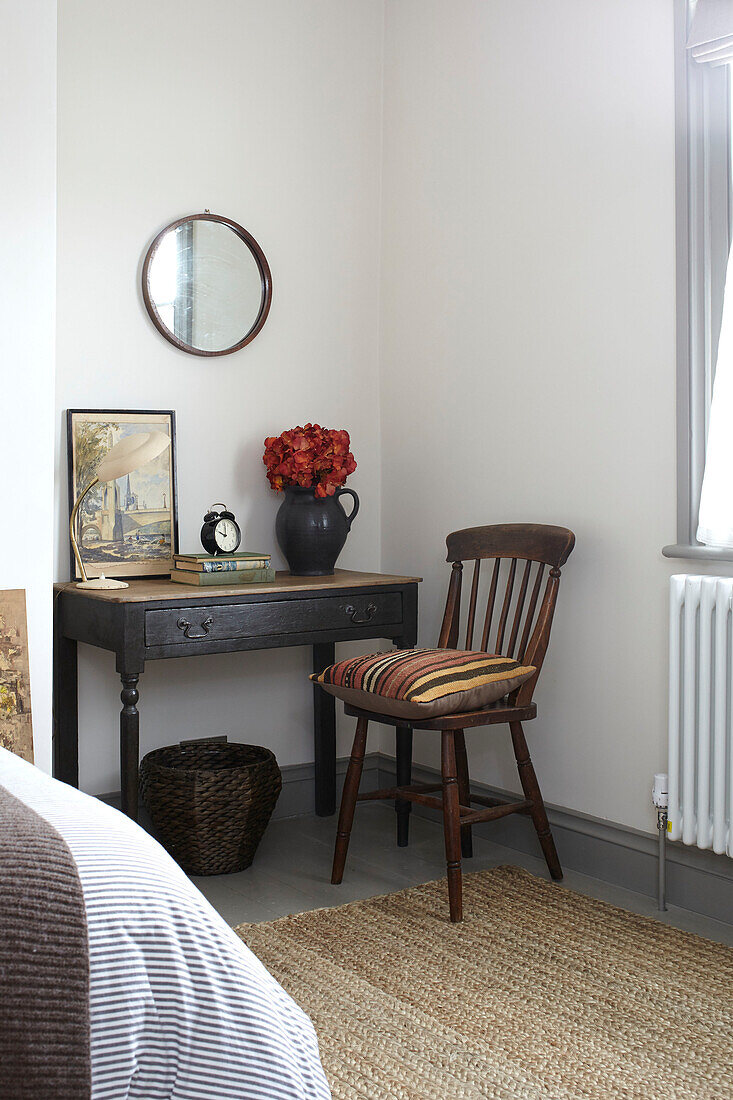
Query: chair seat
{"points": [[420, 684], [491, 715]]}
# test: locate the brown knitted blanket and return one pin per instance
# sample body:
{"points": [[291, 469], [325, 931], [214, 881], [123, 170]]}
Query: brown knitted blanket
{"points": [[44, 962]]}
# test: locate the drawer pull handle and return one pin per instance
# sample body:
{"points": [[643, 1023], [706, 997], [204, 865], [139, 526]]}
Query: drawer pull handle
{"points": [[185, 626], [354, 613]]}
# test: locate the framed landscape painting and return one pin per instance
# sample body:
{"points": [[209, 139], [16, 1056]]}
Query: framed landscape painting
{"points": [[128, 527], [16, 728]]}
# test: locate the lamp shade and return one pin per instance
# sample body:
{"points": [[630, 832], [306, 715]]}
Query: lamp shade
{"points": [[131, 453]]}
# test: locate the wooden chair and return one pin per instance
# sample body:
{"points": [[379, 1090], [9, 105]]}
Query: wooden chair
{"points": [[522, 632]]}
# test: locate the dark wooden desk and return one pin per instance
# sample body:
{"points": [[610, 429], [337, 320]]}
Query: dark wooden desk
{"points": [[156, 619]]}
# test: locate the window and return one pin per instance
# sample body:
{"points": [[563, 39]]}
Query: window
{"points": [[164, 280], [170, 281], [704, 49]]}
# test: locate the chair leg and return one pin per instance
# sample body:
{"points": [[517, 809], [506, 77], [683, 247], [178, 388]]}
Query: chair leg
{"points": [[464, 791], [348, 801], [531, 789], [452, 824], [404, 778]]}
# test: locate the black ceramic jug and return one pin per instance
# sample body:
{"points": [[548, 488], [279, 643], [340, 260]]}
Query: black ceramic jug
{"points": [[312, 530]]}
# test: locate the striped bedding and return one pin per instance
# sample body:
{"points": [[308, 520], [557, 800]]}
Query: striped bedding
{"points": [[180, 1009]]}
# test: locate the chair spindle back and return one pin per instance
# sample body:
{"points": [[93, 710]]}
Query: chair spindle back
{"points": [[522, 629]]}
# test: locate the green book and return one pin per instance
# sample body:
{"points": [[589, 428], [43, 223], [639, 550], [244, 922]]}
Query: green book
{"points": [[240, 576]]}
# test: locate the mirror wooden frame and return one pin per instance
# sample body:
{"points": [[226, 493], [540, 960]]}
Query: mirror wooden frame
{"points": [[259, 258]]}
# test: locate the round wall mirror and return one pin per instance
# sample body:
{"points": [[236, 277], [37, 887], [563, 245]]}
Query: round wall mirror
{"points": [[207, 285]]}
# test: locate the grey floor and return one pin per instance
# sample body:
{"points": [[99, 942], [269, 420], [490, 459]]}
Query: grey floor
{"points": [[292, 868]]}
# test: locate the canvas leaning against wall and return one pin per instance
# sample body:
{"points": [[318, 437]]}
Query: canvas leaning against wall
{"points": [[16, 728], [128, 527]]}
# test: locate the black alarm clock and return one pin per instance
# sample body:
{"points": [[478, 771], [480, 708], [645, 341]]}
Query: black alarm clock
{"points": [[220, 533]]}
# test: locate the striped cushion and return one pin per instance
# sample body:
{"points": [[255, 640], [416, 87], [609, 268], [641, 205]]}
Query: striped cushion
{"points": [[415, 683]]}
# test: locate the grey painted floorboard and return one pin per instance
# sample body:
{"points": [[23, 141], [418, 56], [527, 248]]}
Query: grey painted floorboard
{"points": [[292, 869]]}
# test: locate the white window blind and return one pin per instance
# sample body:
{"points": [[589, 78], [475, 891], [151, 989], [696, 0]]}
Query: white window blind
{"points": [[710, 39], [710, 43]]}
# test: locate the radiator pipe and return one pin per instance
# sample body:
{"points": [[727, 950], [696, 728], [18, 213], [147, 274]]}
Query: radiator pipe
{"points": [[660, 798], [662, 882]]}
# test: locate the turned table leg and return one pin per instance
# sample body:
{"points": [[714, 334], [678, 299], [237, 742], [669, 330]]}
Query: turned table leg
{"points": [[65, 704], [129, 744]]}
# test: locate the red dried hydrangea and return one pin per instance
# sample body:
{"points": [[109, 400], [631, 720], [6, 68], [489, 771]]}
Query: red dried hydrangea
{"points": [[310, 456]]}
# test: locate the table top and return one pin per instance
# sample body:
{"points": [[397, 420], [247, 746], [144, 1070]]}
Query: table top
{"points": [[162, 588]]}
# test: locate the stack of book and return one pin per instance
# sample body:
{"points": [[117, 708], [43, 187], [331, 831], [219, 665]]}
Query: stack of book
{"points": [[203, 569]]}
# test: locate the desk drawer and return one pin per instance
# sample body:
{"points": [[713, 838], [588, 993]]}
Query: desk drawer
{"points": [[219, 621]]}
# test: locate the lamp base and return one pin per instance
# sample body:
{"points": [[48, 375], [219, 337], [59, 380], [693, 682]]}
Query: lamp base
{"points": [[102, 582]]}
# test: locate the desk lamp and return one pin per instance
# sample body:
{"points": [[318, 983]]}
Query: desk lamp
{"points": [[129, 454]]}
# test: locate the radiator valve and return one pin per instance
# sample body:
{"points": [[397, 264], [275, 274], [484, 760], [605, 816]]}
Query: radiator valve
{"points": [[660, 796]]}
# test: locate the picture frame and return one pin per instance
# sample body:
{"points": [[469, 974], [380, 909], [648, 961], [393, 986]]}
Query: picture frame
{"points": [[129, 527], [16, 723]]}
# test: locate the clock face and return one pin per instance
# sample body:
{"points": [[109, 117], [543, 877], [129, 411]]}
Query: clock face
{"points": [[226, 535]]}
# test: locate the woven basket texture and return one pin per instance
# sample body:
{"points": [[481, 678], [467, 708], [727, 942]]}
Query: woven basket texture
{"points": [[540, 994], [210, 803]]}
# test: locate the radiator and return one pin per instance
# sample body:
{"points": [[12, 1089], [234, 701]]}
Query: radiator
{"points": [[700, 728]]}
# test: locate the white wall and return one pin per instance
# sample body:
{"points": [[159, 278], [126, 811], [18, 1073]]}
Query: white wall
{"points": [[527, 317], [269, 114], [27, 281], [528, 355]]}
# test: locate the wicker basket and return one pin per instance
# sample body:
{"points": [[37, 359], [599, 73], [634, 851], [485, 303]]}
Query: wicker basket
{"points": [[210, 802]]}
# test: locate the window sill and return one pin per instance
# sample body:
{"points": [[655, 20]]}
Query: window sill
{"points": [[706, 553]]}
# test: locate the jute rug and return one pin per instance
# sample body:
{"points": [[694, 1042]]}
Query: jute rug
{"points": [[540, 994]]}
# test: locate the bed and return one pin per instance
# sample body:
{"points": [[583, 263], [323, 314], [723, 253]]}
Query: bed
{"points": [[178, 1007]]}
